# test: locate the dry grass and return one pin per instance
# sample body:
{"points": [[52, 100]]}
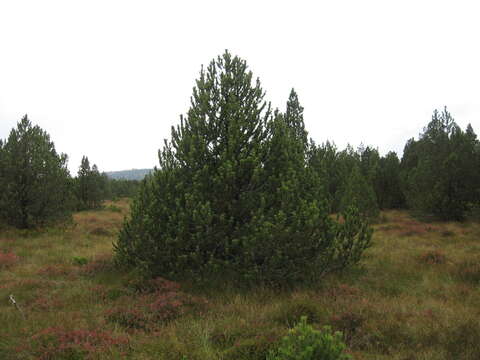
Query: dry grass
{"points": [[414, 296]]}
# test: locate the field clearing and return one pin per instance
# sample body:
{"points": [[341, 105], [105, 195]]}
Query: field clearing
{"points": [[415, 295]]}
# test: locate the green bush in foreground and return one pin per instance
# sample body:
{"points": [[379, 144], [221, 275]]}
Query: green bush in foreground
{"points": [[303, 342]]}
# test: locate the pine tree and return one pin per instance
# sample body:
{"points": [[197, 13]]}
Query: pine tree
{"points": [[387, 185], [229, 196], [358, 192], [90, 186], [439, 178], [324, 161], [36, 180]]}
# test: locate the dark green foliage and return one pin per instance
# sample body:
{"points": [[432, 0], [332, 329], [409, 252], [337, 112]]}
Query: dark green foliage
{"points": [[91, 186], [36, 186], [303, 342], [387, 183], [440, 176], [121, 188], [358, 192], [233, 193], [323, 160]]}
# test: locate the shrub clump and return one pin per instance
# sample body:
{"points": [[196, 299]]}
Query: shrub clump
{"points": [[234, 193], [158, 302], [303, 342], [7, 259], [60, 343]]}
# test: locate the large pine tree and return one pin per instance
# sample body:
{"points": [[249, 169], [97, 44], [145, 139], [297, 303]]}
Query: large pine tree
{"points": [[229, 195], [35, 180]]}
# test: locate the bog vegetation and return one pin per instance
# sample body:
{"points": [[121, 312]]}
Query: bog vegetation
{"points": [[243, 196]]}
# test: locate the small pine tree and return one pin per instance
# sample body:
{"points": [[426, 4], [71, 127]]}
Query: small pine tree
{"points": [[229, 196], [35, 179], [303, 342], [90, 186]]}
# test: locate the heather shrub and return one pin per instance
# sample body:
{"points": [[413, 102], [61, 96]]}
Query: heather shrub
{"points": [[7, 259], [303, 342], [62, 344], [55, 270], [130, 318], [157, 302]]}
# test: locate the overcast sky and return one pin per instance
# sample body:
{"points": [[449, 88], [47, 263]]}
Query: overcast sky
{"points": [[108, 79]]}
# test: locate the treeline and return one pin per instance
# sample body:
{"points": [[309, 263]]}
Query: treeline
{"points": [[438, 175], [36, 187], [91, 187]]}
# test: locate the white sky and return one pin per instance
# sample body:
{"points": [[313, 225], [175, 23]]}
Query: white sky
{"points": [[108, 79]]}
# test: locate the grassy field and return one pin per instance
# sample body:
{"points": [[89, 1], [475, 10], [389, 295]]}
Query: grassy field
{"points": [[416, 295]]}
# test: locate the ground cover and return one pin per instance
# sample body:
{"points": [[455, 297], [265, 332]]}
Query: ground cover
{"points": [[415, 295]]}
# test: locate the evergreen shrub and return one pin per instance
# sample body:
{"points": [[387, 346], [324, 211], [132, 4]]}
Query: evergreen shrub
{"points": [[233, 195]]}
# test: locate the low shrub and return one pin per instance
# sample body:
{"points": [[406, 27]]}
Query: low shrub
{"points": [[7, 259], [158, 301], [55, 270], [79, 260], [45, 303], [60, 343], [132, 318], [303, 342]]}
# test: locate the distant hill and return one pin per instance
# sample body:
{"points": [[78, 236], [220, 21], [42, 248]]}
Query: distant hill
{"points": [[134, 174]]}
